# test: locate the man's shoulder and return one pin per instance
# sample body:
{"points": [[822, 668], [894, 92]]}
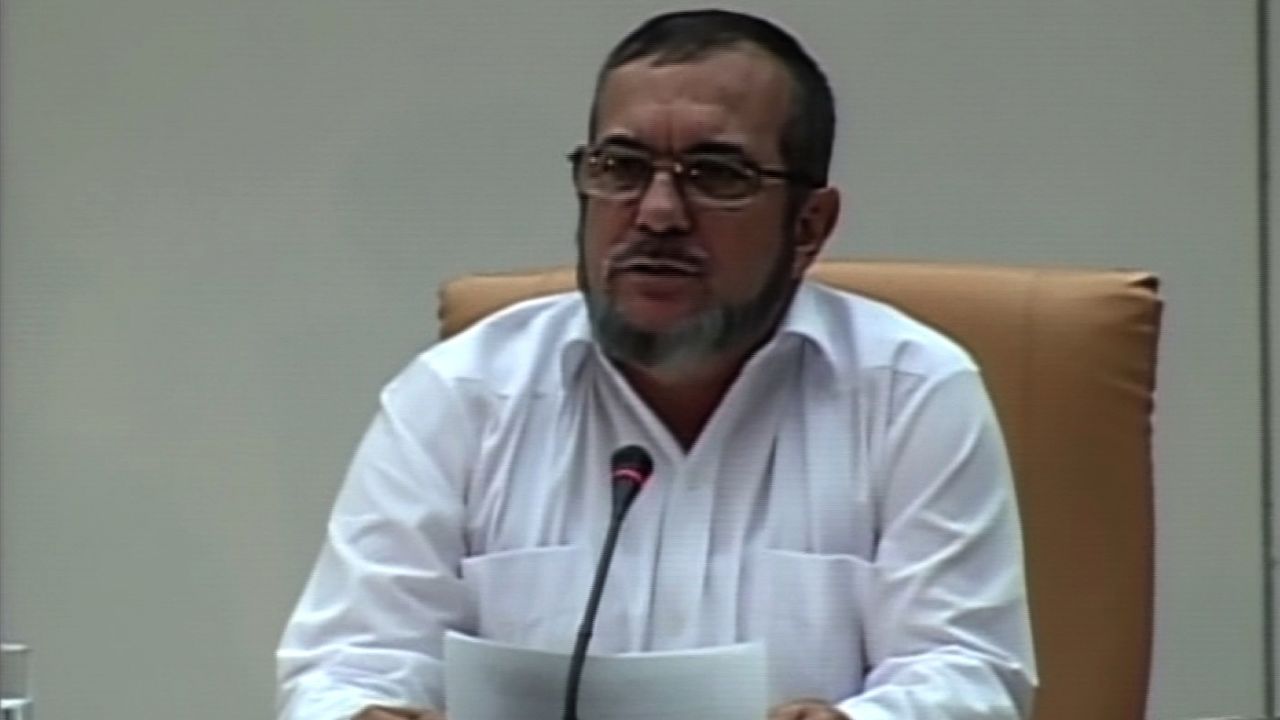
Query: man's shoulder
{"points": [[865, 334], [517, 345]]}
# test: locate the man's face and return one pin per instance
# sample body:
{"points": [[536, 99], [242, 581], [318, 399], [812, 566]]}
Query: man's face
{"points": [[669, 279]]}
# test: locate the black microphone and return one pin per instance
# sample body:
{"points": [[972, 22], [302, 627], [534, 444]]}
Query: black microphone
{"points": [[629, 469]]}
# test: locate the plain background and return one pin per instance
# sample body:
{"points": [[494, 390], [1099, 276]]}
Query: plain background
{"points": [[224, 222]]}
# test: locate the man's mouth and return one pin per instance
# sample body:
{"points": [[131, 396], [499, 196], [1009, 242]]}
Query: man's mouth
{"points": [[661, 267]]}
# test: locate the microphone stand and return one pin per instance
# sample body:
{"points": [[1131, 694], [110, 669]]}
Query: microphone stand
{"points": [[623, 494]]}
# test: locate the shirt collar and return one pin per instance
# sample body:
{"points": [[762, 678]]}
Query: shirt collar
{"points": [[804, 321], [577, 345]]}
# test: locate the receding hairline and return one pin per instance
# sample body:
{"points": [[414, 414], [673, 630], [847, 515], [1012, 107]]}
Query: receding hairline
{"points": [[693, 56]]}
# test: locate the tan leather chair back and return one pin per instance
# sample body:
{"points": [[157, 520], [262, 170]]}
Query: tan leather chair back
{"points": [[1069, 357]]}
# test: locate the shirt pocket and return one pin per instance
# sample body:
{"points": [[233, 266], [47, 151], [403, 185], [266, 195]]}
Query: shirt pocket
{"points": [[811, 622], [532, 597]]}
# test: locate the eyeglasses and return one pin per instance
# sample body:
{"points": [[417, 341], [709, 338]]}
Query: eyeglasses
{"points": [[713, 180]]}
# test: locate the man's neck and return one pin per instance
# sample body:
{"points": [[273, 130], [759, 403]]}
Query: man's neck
{"points": [[686, 402]]}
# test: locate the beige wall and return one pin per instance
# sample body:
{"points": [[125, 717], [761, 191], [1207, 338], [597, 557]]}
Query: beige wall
{"points": [[223, 223]]}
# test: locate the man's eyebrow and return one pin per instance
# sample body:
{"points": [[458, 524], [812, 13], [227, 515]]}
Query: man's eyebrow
{"points": [[716, 147], [623, 141], [706, 147]]}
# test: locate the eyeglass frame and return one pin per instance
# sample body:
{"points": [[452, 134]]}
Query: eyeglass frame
{"points": [[676, 167]]}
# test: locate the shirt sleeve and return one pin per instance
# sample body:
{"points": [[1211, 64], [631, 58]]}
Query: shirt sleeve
{"points": [[368, 628], [947, 628]]}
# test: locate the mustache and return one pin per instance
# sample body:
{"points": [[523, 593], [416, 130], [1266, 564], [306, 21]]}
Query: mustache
{"points": [[657, 253]]}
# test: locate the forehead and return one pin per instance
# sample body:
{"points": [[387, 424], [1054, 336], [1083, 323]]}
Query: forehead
{"points": [[738, 95]]}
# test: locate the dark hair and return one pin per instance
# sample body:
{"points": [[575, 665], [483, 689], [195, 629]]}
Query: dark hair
{"points": [[688, 36]]}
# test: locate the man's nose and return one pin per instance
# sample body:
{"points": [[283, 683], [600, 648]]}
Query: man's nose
{"points": [[662, 209]]}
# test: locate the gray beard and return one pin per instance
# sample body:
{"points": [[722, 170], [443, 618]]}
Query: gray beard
{"points": [[711, 333]]}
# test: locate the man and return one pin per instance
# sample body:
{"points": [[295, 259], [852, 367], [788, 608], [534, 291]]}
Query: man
{"points": [[829, 475]]}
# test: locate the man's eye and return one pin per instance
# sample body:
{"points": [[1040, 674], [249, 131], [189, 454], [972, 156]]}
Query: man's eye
{"points": [[720, 177], [624, 168]]}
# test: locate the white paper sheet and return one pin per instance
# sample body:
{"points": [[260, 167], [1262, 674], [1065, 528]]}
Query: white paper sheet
{"points": [[486, 680]]}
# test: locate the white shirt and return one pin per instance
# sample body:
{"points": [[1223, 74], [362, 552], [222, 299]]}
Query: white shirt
{"points": [[849, 503]]}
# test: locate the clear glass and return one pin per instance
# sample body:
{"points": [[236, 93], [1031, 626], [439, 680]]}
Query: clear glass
{"points": [[16, 701], [717, 182]]}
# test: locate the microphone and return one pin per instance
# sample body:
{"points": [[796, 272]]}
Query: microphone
{"points": [[629, 469]]}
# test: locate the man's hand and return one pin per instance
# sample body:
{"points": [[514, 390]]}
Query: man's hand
{"points": [[378, 712], [806, 709]]}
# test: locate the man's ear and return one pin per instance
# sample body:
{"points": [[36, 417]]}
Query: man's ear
{"points": [[813, 226]]}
